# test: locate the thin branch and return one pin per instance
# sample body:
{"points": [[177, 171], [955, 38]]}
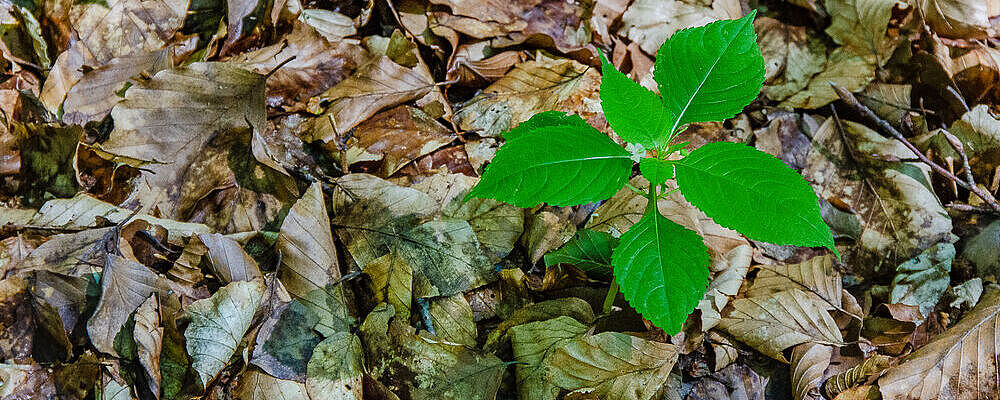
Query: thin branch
{"points": [[886, 128]]}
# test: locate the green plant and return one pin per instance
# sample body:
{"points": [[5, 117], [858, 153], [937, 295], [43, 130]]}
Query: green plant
{"points": [[706, 73]]}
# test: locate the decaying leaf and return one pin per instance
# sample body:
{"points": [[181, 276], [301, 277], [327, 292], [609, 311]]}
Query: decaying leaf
{"points": [[922, 280], [217, 325], [374, 217], [167, 121], [532, 87], [125, 285], [423, 367], [229, 261], [396, 137], [379, 84], [335, 368], [256, 385], [309, 266], [960, 363], [815, 276], [557, 354], [650, 22]]}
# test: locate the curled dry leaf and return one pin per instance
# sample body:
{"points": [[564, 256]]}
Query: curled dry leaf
{"points": [[452, 319], [809, 360], [379, 84], [961, 363], [776, 322], [229, 261], [148, 335], [730, 270]]}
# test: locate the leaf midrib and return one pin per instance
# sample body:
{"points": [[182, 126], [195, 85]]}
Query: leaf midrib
{"points": [[704, 79]]}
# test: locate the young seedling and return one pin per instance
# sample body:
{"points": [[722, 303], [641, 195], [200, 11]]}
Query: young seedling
{"points": [[707, 73]]}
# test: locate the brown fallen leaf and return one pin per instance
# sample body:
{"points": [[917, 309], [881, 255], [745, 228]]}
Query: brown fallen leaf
{"points": [[125, 285], [97, 92], [379, 84], [531, 87], [395, 137], [775, 322], [229, 261], [148, 335], [815, 276], [809, 360], [961, 363], [168, 121], [309, 264], [320, 63]]}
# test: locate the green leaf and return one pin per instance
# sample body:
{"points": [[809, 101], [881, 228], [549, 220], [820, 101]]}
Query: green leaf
{"points": [[634, 112], [543, 120], [589, 251], [709, 73], [656, 171], [562, 165], [753, 193], [662, 269]]}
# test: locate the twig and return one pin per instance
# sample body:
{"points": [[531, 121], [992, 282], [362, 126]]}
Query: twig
{"points": [[970, 208], [885, 127]]}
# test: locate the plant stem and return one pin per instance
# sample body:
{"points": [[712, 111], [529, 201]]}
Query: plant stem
{"points": [[609, 299], [634, 189]]}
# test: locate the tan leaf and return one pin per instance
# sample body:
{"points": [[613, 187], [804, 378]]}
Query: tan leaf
{"points": [[532, 87], [319, 64], [168, 121], [960, 363], [809, 360], [125, 285], [74, 254], [84, 211], [452, 319], [815, 276], [332, 25], [217, 325], [391, 281], [776, 322], [309, 260], [730, 272], [791, 57], [957, 18], [861, 25], [256, 385], [148, 335], [379, 84], [546, 231], [122, 27], [650, 22], [96, 93], [395, 137], [844, 67], [229, 261], [558, 354]]}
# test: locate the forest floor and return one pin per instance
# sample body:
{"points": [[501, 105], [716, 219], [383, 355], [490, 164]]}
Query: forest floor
{"points": [[264, 199]]}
